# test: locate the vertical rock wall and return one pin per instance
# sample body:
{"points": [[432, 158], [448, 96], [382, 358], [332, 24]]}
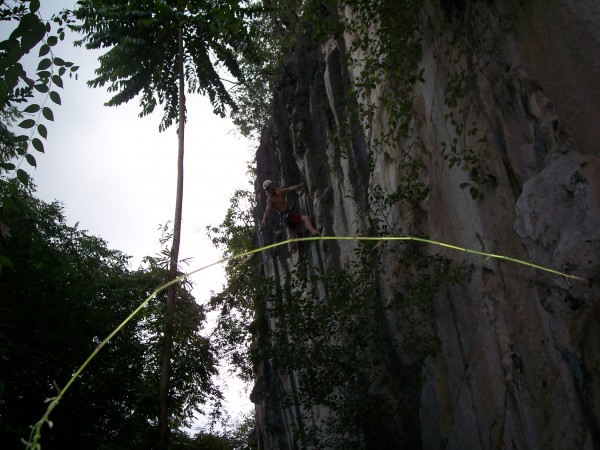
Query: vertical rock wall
{"points": [[517, 364]]}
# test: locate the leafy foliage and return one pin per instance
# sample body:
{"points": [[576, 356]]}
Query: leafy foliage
{"points": [[385, 49], [331, 334], [275, 28], [327, 329], [239, 436], [10, 146], [154, 49], [66, 293], [240, 299], [17, 88], [142, 39], [461, 61]]}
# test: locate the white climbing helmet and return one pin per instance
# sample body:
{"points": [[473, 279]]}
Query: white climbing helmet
{"points": [[266, 184]]}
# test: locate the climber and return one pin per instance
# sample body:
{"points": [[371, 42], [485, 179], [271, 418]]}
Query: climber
{"points": [[288, 218]]}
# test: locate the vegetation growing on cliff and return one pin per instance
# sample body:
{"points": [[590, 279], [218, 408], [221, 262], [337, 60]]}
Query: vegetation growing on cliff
{"points": [[386, 41], [463, 150], [327, 327], [239, 303], [333, 336]]}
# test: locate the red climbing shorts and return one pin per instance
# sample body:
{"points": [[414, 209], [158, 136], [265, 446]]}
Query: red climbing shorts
{"points": [[290, 219]]}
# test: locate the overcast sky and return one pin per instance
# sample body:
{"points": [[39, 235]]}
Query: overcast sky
{"points": [[115, 173]]}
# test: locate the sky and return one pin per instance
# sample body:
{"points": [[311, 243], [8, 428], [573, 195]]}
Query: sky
{"points": [[115, 173]]}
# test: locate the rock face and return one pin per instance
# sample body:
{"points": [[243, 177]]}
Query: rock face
{"points": [[500, 154]]}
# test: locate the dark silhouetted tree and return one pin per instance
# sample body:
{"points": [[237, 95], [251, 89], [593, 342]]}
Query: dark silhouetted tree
{"points": [[156, 50]]}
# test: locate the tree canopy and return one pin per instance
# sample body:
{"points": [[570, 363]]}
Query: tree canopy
{"points": [[141, 37], [67, 291]]}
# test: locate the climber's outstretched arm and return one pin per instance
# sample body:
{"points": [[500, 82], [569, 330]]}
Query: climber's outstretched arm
{"points": [[295, 188], [267, 211]]}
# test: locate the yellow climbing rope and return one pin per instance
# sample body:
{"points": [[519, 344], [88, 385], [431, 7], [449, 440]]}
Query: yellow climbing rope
{"points": [[36, 430]]}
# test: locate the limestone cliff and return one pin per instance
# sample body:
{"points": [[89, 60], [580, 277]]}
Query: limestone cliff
{"points": [[485, 135]]}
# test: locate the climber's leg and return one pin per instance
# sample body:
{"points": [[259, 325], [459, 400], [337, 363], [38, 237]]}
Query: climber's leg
{"points": [[309, 226]]}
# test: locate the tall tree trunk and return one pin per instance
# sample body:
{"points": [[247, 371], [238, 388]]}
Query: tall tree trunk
{"points": [[165, 372]]}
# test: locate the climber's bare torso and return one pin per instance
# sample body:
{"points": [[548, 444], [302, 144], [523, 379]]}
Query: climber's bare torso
{"points": [[276, 197], [276, 200]]}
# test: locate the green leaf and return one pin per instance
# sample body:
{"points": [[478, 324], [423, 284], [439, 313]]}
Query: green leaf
{"points": [[3, 93], [34, 5], [31, 160], [31, 30], [55, 97], [5, 262], [41, 129], [44, 74], [59, 61], [38, 145], [474, 192], [27, 123], [32, 109], [48, 114], [52, 41], [43, 88], [22, 176], [7, 166], [57, 81], [44, 64], [44, 49]]}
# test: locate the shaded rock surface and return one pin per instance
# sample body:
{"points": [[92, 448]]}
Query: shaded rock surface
{"points": [[518, 360]]}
